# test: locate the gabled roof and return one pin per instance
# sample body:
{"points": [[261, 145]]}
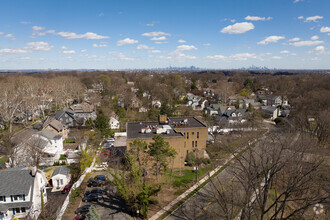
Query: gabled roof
{"points": [[82, 108], [16, 181], [49, 135], [61, 170]]}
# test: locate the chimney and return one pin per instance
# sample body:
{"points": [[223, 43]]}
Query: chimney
{"points": [[33, 171], [162, 119]]}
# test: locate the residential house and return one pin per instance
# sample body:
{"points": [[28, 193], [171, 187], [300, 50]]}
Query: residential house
{"points": [[43, 147], [60, 178], [224, 108], [235, 115], [114, 123], [66, 117], [55, 126], [22, 192], [214, 109], [252, 103], [84, 111], [184, 134], [271, 112]]}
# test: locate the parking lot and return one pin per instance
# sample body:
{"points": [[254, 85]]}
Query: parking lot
{"points": [[111, 206]]}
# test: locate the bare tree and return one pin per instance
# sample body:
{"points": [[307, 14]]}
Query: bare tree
{"points": [[8, 146]]}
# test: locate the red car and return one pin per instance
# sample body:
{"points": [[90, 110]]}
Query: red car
{"points": [[67, 188]]}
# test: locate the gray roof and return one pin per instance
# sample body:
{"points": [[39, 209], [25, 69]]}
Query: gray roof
{"points": [[269, 109], [61, 170], [15, 181], [134, 130], [5, 206], [49, 135], [192, 122]]}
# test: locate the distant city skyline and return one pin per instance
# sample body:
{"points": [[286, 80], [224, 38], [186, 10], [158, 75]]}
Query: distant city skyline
{"points": [[282, 34]]}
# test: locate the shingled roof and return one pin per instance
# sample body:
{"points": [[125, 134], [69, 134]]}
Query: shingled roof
{"points": [[16, 181], [61, 170]]}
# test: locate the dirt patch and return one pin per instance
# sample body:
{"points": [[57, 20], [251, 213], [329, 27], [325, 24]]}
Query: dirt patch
{"points": [[54, 203]]}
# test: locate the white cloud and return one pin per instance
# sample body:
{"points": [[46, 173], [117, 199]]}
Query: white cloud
{"points": [[295, 39], [296, 1], [83, 51], [143, 47], [150, 25], [271, 39], [161, 42], [155, 51], [121, 56], [216, 57], [165, 57], [13, 51], [101, 14], [25, 22], [232, 20], [285, 51], [126, 41], [276, 57], [64, 48], [301, 17], [155, 34], [100, 45], [159, 38], [319, 49], [238, 28], [243, 56], [315, 37], [207, 44], [181, 41], [307, 43], [256, 18], [37, 28], [313, 18], [25, 58], [325, 29], [39, 46], [186, 47], [45, 32], [69, 51], [184, 56], [1, 33], [87, 35], [41, 59], [9, 35]]}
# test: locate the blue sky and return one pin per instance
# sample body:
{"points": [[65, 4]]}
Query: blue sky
{"points": [[222, 34]]}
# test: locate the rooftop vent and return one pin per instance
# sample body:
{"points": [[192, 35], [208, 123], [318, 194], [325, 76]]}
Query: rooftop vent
{"points": [[162, 119]]}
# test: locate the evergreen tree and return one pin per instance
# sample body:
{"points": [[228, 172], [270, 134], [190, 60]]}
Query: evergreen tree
{"points": [[92, 214]]}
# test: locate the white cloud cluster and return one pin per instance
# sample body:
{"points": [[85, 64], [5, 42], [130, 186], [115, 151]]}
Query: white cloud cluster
{"points": [[256, 18], [238, 56], [9, 35], [87, 35], [216, 57], [313, 18], [276, 57], [69, 51], [295, 39], [325, 29], [238, 28], [39, 46], [155, 34], [181, 41], [38, 28], [13, 51], [122, 56], [100, 45], [127, 41], [307, 43], [159, 38], [315, 37], [186, 47], [271, 39], [285, 52]]}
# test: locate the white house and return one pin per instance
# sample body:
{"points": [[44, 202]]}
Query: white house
{"points": [[271, 112], [44, 146], [114, 123], [60, 178], [22, 192]]}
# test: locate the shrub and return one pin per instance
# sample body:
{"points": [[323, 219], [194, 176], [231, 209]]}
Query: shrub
{"points": [[75, 192]]}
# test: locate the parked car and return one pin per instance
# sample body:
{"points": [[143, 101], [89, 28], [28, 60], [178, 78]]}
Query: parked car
{"points": [[92, 182], [91, 197], [82, 209], [99, 177], [67, 188], [98, 192]]}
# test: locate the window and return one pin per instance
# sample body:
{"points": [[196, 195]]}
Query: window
{"points": [[197, 134], [18, 210], [192, 133], [23, 209], [15, 197], [2, 198], [61, 181], [195, 143], [192, 143], [187, 135]]}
